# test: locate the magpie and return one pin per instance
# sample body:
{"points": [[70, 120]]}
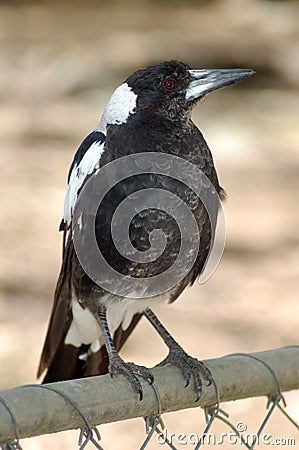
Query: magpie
{"points": [[149, 113]]}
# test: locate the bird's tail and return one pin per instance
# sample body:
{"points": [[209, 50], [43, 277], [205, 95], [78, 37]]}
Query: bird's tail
{"points": [[70, 362]]}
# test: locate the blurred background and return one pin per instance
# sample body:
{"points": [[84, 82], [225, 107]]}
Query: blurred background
{"points": [[60, 62]]}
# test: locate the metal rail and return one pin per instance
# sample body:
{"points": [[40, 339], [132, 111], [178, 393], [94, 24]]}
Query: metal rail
{"points": [[33, 410]]}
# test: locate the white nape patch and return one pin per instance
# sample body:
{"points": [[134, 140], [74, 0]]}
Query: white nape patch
{"points": [[87, 165], [120, 106]]}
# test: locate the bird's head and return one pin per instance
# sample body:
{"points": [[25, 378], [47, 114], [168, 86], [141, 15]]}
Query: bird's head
{"points": [[171, 88]]}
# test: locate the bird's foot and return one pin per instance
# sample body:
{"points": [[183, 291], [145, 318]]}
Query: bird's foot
{"points": [[190, 367], [129, 369]]}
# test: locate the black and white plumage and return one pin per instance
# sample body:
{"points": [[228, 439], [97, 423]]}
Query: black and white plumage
{"points": [[149, 112]]}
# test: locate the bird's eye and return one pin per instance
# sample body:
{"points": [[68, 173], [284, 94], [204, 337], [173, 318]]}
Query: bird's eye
{"points": [[169, 84]]}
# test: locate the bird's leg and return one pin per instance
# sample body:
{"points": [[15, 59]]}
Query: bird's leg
{"points": [[116, 363], [177, 356]]}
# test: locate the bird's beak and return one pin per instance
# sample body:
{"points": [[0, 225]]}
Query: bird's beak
{"points": [[205, 81]]}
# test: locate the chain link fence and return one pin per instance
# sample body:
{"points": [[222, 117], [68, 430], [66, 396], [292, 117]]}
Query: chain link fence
{"points": [[33, 410]]}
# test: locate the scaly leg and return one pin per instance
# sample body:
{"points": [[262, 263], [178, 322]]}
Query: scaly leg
{"points": [[177, 356], [116, 363]]}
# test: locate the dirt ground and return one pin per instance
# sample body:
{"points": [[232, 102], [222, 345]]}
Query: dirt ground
{"points": [[59, 65]]}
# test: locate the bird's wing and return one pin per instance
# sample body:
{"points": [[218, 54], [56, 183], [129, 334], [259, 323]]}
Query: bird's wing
{"points": [[67, 361], [85, 161]]}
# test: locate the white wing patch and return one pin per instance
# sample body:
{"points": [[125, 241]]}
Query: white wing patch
{"points": [[87, 165], [120, 106]]}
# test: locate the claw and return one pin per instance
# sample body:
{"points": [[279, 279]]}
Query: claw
{"points": [[199, 392], [143, 371], [140, 392], [118, 365], [187, 377], [190, 367], [210, 382]]}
